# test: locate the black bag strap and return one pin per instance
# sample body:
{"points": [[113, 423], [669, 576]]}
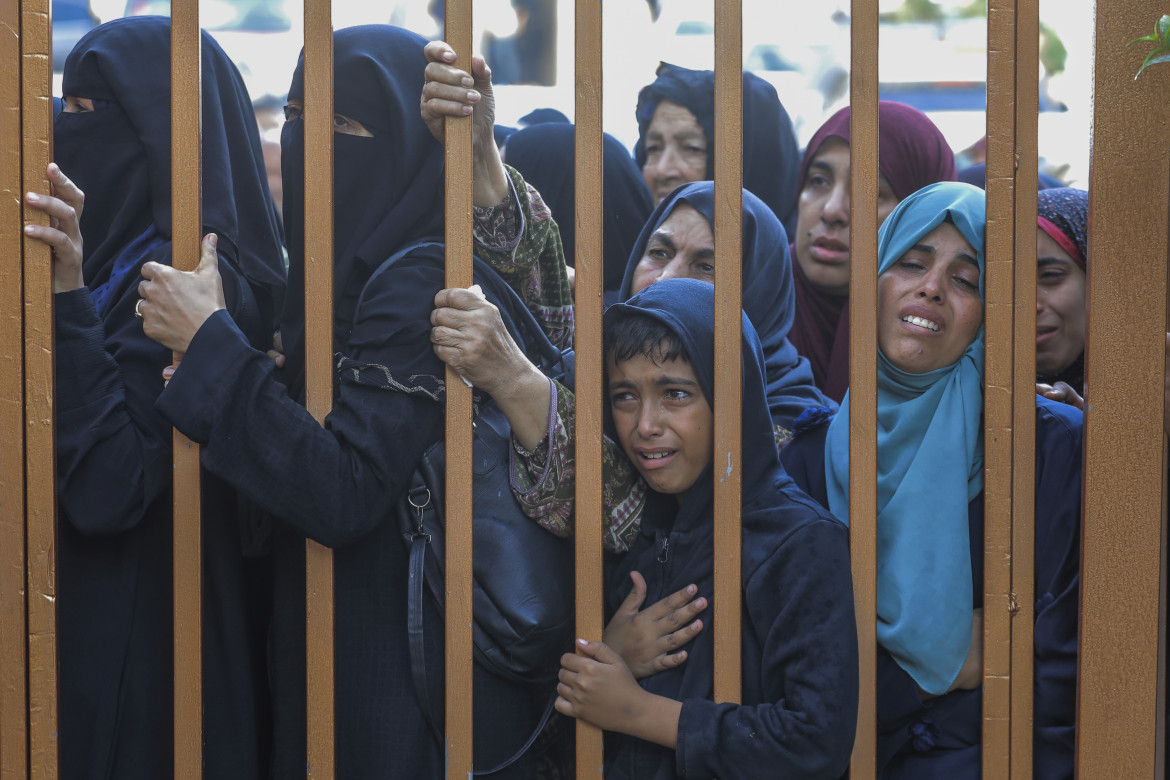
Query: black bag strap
{"points": [[420, 499]]}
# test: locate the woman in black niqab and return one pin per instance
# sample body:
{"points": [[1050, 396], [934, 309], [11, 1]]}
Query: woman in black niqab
{"points": [[114, 449], [338, 484], [388, 188]]}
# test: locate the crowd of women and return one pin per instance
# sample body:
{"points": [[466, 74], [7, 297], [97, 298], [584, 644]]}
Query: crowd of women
{"points": [[275, 477]]}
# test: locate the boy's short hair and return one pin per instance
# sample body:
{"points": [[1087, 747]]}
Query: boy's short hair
{"points": [[632, 333]]}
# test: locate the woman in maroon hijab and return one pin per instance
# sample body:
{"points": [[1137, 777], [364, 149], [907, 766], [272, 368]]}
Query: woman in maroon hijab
{"points": [[912, 153]]}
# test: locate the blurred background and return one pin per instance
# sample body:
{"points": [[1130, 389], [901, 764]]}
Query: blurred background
{"points": [[933, 55]]}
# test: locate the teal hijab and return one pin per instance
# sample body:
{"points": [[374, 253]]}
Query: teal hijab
{"points": [[930, 466]]}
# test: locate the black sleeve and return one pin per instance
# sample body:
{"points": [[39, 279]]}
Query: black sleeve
{"points": [[334, 483], [113, 447]]}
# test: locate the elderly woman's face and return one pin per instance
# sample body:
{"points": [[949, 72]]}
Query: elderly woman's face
{"points": [[929, 307], [823, 213], [676, 150], [683, 246]]}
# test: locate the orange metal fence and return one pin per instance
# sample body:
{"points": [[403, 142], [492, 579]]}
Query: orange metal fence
{"points": [[1121, 680]]}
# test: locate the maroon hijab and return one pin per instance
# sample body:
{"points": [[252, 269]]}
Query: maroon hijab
{"points": [[912, 153]]}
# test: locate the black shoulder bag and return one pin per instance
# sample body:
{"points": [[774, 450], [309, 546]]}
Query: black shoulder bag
{"points": [[523, 589]]}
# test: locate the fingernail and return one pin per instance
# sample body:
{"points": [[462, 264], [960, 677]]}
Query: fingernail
{"points": [[449, 56], [168, 372], [466, 110], [213, 240], [691, 589], [467, 81], [32, 197], [583, 642], [53, 167], [28, 230]]}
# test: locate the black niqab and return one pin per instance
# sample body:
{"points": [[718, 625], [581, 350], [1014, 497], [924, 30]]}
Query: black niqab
{"points": [[388, 189], [121, 153]]}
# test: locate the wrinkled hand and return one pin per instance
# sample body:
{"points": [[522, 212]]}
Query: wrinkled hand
{"points": [[468, 334], [177, 303], [63, 205], [451, 91], [648, 640], [596, 686], [1062, 392]]}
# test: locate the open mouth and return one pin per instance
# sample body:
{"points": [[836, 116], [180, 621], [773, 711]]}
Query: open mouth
{"points": [[922, 322], [656, 455]]}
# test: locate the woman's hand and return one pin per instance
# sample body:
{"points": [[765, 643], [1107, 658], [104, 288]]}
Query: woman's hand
{"points": [[63, 204], [449, 91], [597, 687], [648, 640], [177, 303], [1062, 392], [468, 335]]}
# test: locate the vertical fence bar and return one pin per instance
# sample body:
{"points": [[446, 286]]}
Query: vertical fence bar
{"points": [[998, 388], [318, 118], [40, 454], [728, 345], [863, 151], [588, 194], [1023, 599], [186, 229], [459, 504], [13, 637], [1121, 563]]}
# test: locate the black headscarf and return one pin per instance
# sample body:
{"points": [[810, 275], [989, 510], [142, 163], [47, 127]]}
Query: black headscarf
{"points": [[120, 154], [768, 298], [388, 190], [544, 156], [771, 156]]}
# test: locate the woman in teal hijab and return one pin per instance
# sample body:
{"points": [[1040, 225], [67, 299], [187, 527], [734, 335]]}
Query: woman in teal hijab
{"points": [[930, 447], [930, 501]]}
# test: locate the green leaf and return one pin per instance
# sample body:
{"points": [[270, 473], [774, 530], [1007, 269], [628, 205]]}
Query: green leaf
{"points": [[1154, 59], [1162, 28], [1148, 38]]}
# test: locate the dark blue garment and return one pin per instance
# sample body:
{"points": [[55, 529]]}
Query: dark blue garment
{"points": [[799, 657], [114, 600], [768, 295], [544, 156], [543, 116], [771, 156], [940, 739]]}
